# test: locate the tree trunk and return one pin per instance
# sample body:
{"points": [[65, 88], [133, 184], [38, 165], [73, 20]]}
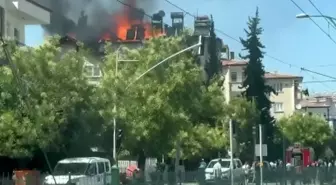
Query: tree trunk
{"points": [[141, 160]]}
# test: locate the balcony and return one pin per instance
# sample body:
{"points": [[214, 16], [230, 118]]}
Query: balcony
{"points": [[235, 87], [29, 11]]}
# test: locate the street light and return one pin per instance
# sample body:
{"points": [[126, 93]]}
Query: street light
{"points": [[117, 60], [304, 15]]}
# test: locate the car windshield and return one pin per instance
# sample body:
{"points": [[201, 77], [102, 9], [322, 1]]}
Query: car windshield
{"points": [[72, 168], [224, 164]]}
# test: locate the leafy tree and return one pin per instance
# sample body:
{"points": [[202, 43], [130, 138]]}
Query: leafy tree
{"points": [[39, 94], [308, 130], [245, 116], [164, 105], [213, 66], [254, 83]]}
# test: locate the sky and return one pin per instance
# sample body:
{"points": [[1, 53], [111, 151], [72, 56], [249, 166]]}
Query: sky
{"points": [[295, 43]]}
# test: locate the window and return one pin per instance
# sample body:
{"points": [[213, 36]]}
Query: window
{"points": [[16, 34], [8, 30], [234, 76], [278, 107], [278, 87], [96, 71], [92, 70], [107, 167], [92, 169], [88, 70], [101, 168], [238, 164]]}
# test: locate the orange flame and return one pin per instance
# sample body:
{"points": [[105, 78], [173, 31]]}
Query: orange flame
{"points": [[123, 22]]}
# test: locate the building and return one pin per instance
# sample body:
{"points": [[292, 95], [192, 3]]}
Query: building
{"points": [[287, 86], [16, 14], [323, 105]]}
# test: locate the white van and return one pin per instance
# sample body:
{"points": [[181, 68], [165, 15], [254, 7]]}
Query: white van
{"points": [[238, 172], [81, 171]]}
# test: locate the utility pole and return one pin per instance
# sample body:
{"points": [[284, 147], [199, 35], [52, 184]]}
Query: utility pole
{"points": [[231, 150], [261, 153]]}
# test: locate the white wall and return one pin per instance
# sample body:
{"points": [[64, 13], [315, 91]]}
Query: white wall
{"points": [[11, 22]]}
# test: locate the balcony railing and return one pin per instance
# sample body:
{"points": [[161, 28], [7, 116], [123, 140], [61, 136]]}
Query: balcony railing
{"points": [[236, 87]]}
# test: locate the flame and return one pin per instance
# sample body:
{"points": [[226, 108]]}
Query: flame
{"points": [[122, 22]]}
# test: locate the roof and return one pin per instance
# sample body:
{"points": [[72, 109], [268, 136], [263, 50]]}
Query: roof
{"points": [[310, 104], [234, 62], [82, 160], [268, 75], [39, 5]]}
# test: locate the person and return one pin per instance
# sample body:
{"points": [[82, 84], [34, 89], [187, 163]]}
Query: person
{"points": [[202, 164], [218, 169]]}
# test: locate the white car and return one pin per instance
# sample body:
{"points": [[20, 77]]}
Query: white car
{"points": [[238, 171], [81, 171]]}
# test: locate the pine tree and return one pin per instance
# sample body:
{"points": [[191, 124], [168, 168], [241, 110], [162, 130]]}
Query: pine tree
{"points": [[254, 82], [213, 66]]}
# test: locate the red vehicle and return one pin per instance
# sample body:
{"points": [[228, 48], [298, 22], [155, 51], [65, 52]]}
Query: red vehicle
{"points": [[299, 156]]}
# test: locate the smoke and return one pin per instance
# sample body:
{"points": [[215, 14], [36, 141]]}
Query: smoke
{"points": [[69, 15]]}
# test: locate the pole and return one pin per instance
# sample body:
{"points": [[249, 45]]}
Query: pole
{"points": [[114, 112], [231, 150], [254, 142], [261, 153], [284, 160], [177, 161]]}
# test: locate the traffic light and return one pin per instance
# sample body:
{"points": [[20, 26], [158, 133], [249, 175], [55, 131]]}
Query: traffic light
{"points": [[234, 125], [120, 133], [119, 138]]}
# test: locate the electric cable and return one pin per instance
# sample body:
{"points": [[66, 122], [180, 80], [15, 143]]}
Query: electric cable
{"points": [[322, 15], [327, 34], [238, 41]]}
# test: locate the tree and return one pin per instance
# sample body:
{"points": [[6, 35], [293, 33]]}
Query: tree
{"points": [[213, 66], [254, 83], [245, 116], [312, 131], [40, 92], [164, 105]]}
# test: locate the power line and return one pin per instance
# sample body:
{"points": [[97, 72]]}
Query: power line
{"points": [[238, 41], [322, 15], [327, 34], [134, 8], [319, 81]]}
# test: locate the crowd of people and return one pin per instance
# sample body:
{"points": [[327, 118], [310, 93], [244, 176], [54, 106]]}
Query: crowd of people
{"points": [[317, 172]]}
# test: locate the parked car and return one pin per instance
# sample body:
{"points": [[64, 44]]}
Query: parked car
{"points": [[81, 171], [238, 171]]}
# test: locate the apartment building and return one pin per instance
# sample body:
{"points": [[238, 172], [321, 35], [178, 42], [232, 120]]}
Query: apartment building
{"points": [[16, 14], [323, 105], [286, 86]]}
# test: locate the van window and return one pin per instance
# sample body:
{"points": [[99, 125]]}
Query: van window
{"points": [[107, 166], [101, 168], [238, 163], [92, 169]]}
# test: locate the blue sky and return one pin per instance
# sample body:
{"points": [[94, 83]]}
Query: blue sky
{"points": [[294, 41]]}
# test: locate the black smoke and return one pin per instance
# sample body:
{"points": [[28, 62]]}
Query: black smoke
{"points": [[88, 19]]}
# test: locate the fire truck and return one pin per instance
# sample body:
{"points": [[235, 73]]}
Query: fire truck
{"points": [[299, 156]]}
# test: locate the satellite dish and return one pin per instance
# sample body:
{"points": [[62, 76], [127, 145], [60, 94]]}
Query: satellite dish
{"points": [[298, 106]]}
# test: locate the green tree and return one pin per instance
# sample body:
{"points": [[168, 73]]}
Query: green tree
{"points": [[39, 94], [213, 66], [162, 106], [245, 116], [254, 83], [308, 130]]}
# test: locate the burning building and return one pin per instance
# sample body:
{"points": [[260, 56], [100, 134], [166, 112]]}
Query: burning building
{"points": [[126, 22]]}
